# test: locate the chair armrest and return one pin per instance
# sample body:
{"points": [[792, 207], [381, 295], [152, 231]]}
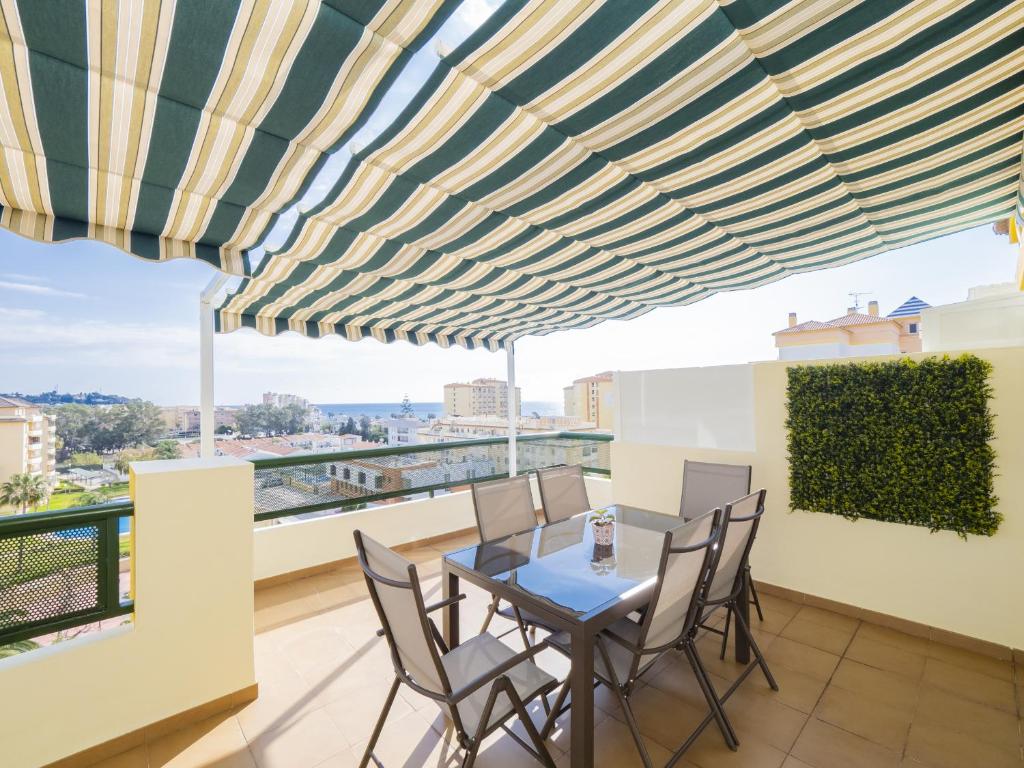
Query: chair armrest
{"points": [[493, 674], [431, 608]]}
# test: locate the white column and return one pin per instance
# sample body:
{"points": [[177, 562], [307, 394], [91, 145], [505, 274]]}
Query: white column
{"points": [[206, 324], [510, 353]]}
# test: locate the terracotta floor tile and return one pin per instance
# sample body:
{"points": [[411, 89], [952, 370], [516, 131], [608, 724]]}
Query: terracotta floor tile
{"points": [[972, 685], [827, 618], [976, 662], [764, 718], [216, 741], [662, 717], [937, 707], [894, 637], [710, 751], [820, 636], [302, 743], [824, 746], [891, 658], [811, 661], [870, 719], [940, 747], [897, 692], [792, 762], [355, 713], [796, 689], [411, 742], [774, 604]]}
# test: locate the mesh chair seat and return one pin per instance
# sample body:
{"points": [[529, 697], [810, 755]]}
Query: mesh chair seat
{"points": [[621, 657], [529, 618], [478, 656]]}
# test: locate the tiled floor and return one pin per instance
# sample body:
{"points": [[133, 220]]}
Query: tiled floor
{"points": [[852, 695]]}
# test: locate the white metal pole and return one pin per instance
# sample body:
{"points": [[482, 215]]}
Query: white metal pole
{"points": [[510, 353], [206, 324]]}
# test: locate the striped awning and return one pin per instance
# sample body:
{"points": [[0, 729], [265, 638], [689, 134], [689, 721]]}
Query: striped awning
{"points": [[575, 161], [181, 128]]}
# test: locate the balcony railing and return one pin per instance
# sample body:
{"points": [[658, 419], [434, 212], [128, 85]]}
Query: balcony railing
{"points": [[60, 570], [348, 480]]}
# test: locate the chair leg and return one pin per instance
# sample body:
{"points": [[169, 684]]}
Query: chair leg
{"points": [[368, 754], [627, 710], [753, 596], [528, 726], [714, 704], [481, 728], [742, 626], [725, 634], [490, 614], [549, 724]]}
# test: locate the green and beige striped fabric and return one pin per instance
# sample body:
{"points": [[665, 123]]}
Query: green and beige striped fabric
{"points": [[181, 128], [575, 161]]}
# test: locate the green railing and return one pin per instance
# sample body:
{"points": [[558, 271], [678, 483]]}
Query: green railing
{"points": [[60, 570], [346, 480]]}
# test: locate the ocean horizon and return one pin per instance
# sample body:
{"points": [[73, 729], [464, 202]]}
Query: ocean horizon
{"points": [[424, 411]]}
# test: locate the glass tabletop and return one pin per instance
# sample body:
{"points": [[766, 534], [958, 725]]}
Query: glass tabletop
{"points": [[560, 562]]}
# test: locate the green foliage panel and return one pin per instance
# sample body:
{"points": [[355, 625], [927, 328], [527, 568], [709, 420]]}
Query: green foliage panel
{"points": [[899, 441]]}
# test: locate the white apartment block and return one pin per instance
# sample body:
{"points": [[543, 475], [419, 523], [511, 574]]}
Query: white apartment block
{"points": [[480, 397], [28, 440], [401, 431], [279, 400]]}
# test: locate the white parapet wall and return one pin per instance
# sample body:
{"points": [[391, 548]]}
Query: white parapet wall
{"points": [[297, 545], [974, 587], [190, 641]]}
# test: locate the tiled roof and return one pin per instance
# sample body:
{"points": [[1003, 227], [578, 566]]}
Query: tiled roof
{"points": [[15, 402], [839, 322], [909, 308]]}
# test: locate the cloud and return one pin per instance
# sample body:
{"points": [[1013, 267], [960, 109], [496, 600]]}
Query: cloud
{"points": [[39, 290], [25, 314], [22, 278]]}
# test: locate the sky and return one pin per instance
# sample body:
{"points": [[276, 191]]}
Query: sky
{"points": [[83, 316]]}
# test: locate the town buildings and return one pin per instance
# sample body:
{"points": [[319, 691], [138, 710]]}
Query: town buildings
{"points": [[854, 334], [453, 428], [480, 397], [402, 431], [591, 399], [28, 440], [279, 400]]}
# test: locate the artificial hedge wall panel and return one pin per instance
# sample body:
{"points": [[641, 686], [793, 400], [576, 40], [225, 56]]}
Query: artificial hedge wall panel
{"points": [[898, 441]]}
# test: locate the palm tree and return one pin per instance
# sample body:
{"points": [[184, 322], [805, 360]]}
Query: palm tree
{"points": [[23, 490], [90, 498]]}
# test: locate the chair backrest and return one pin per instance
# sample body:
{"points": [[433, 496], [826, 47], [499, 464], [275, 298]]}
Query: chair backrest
{"points": [[503, 507], [708, 486], [395, 590], [739, 528], [563, 492], [686, 560]]}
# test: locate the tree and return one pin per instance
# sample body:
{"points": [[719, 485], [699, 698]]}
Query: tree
{"points": [[364, 427], [85, 459], [74, 426], [167, 449], [91, 498], [223, 429], [407, 411], [24, 490], [349, 428]]}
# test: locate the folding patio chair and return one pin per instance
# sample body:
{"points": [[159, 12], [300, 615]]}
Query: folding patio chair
{"points": [[563, 492], [707, 485], [479, 685], [504, 507], [626, 650]]}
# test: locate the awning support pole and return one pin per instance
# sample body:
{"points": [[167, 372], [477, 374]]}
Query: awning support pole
{"points": [[206, 326], [510, 353]]}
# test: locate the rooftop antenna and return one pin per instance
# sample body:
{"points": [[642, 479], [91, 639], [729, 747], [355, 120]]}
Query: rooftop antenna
{"points": [[855, 295]]}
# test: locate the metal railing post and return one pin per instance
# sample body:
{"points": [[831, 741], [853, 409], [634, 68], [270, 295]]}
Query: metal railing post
{"points": [[510, 353]]}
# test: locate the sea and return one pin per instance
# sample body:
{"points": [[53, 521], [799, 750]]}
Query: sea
{"points": [[424, 411]]}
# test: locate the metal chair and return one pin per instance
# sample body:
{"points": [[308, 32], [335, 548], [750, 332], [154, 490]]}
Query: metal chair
{"points": [[626, 650], [707, 485], [742, 518], [563, 492], [503, 507], [480, 684]]}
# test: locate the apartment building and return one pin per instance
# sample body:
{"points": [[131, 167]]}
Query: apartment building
{"points": [[480, 397], [591, 399], [28, 440], [279, 400], [854, 334]]}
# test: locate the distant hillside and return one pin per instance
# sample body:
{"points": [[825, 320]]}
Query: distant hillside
{"points": [[60, 398]]}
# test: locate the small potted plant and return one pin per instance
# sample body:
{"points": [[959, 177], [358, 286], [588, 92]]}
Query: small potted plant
{"points": [[603, 525]]}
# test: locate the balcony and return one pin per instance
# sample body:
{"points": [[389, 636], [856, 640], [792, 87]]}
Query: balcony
{"points": [[892, 645]]}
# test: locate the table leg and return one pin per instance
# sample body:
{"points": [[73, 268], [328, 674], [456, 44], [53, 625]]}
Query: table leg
{"points": [[449, 588], [740, 639], [582, 689]]}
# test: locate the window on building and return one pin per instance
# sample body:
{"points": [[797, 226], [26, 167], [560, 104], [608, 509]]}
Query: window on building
{"points": [[378, 482], [346, 474], [333, 470], [913, 327], [362, 478]]}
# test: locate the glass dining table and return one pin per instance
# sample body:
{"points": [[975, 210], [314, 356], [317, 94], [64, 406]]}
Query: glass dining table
{"points": [[557, 572]]}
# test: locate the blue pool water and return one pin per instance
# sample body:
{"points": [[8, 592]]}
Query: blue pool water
{"points": [[123, 525]]}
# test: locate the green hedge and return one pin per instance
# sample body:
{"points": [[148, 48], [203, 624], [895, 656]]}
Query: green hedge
{"points": [[899, 441]]}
